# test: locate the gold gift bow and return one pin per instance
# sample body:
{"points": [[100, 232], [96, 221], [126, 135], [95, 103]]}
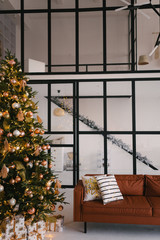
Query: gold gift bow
{"points": [[51, 219], [39, 237]]}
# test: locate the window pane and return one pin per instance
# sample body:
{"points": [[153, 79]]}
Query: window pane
{"points": [[147, 106], [119, 89], [91, 88], [62, 107], [148, 149], [42, 110], [119, 109], [90, 4], [63, 164], [63, 42], [111, 3], [117, 40], [90, 114], [120, 158], [35, 4], [61, 138], [10, 4], [91, 154], [36, 41], [63, 4], [10, 34], [90, 39]]}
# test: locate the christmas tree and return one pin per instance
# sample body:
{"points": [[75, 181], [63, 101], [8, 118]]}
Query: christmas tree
{"points": [[27, 183]]}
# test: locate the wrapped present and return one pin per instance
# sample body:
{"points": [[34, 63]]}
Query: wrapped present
{"points": [[55, 223], [36, 231], [13, 229]]}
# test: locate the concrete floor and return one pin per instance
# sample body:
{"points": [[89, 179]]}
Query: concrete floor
{"points": [[74, 230]]}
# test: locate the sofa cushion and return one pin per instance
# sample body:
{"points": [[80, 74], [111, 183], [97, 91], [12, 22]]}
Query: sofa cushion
{"points": [[109, 189], [129, 206], [155, 204], [91, 189], [131, 185], [152, 185]]}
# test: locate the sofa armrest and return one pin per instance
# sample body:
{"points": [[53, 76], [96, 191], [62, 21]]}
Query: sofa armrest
{"points": [[78, 199]]}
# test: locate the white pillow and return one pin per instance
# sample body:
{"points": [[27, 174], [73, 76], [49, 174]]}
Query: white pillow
{"points": [[91, 189], [109, 188]]}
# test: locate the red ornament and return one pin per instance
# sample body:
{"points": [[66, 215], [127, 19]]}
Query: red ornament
{"points": [[12, 181], [44, 147], [60, 208], [14, 97], [48, 146], [11, 62], [40, 175], [44, 162], [22, 133], [5, 94], [17, 179], [50, 165], [29, 114], [53, 207], [37, 131], [31, 211], [9, 134], [1, 131], [13, 81], [42, 132], [26, 159]]}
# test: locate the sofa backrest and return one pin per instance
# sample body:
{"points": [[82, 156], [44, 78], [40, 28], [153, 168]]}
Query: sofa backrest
{"points": [[152, 185], [131, 184]]}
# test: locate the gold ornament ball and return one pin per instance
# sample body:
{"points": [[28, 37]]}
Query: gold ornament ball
{"points": [[12, 181], [47, 188], [60, 208], [36, 163], [29, 192], [12, 150], [17, 148], [15, 105], [44, 162], [48, 146], [41, 197], [31, 195], [32, 134], [31, 211], [26, 159], [24, 99], [5, 94]]}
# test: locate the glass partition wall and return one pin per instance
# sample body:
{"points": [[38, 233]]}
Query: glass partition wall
{"points": [[101, 126], [79, 36]]}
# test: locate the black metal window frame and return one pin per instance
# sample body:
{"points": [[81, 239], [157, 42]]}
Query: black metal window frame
{"points": [[77, 132], [132, 64]]}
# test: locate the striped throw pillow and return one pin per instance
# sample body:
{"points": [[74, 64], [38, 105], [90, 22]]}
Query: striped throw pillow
{"points": [[109, 188]]}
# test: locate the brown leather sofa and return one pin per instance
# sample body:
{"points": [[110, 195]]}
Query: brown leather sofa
{"points": [[141, 203]]}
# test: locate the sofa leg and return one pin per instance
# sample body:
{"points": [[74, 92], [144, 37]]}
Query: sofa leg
{"points": [[85, 227]]}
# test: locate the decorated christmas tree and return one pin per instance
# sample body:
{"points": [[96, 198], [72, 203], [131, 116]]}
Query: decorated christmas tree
{"points": [[27, 183]]}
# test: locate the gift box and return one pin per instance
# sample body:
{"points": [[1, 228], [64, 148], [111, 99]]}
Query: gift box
{"points": [[55, 223], [36, 231], [13, 229]]}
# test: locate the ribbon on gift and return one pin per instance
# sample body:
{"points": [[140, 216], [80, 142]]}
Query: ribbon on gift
{"points": [[50, 219]]}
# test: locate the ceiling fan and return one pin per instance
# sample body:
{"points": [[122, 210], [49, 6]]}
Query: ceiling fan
{"points": [[138, 6]]}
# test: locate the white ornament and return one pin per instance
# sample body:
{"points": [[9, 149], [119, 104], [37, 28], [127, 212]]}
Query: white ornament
{"points": [[15, 105], [16, 133], [7, 169], [1, 114], [1, 188], [12, 201], [30, 164]]}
